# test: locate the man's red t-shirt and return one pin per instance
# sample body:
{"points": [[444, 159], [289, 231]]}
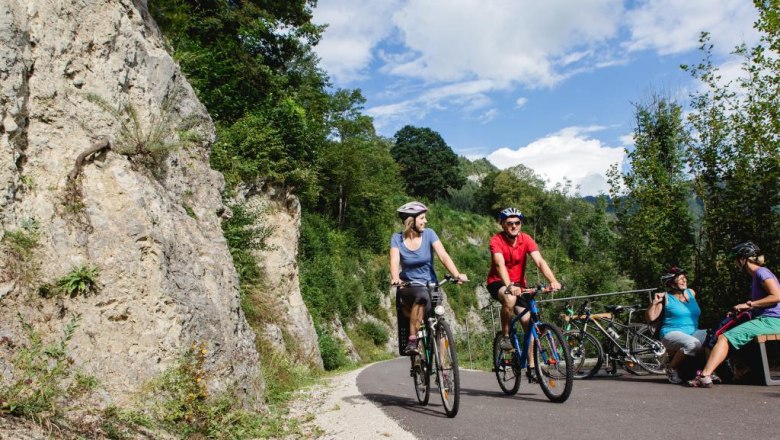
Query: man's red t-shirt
{"points": [[514, 256]]}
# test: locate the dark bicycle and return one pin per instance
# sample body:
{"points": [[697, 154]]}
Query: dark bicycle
{"points": [[553, 366], [627, 344], [437, 353]]}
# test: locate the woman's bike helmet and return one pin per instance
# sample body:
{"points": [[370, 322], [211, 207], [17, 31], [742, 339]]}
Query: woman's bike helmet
{"points": [[510, 212], [411, 209], [747, 249], [670, 274]]}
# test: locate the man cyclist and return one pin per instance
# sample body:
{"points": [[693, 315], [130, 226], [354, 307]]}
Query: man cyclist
{"points": [[508, 252]]}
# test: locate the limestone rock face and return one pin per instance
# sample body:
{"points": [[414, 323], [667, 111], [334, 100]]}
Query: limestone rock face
{"points": [[153, 232], [291, 329]]}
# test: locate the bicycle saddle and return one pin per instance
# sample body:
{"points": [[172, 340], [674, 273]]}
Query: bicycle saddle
{"points": [[614, 308]]}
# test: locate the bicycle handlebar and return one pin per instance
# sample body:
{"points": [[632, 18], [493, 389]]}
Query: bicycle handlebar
{"points": [[448, 278]]}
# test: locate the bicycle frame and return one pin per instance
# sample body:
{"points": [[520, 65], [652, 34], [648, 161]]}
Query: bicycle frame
{"points": [[533, 332]]}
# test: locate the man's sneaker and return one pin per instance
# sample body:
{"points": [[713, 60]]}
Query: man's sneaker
{"points": [[411, 347], [701, 381], [531, 375], [505, 344], [671, 373]]}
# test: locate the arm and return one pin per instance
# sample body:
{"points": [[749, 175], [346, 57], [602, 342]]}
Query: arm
{"points": [[500, 263], [395, 266], [546, 271], [445, 259], [772, 289], [656, 307]]}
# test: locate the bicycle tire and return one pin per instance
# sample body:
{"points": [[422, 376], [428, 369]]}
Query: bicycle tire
{"points": [[553, 363], [447, 372], [421, 378], [586, 353], [506, 368], [649, 352]]}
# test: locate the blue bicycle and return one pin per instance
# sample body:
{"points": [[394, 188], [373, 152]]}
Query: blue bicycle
{"points": [[552, 363]]}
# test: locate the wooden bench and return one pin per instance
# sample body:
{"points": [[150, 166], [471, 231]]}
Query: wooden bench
{"points": [[762, 340]]}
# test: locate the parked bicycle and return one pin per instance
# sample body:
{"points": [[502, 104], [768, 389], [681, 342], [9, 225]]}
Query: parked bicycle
{"points": [[627, 344], [436, 354], [543, 346]]}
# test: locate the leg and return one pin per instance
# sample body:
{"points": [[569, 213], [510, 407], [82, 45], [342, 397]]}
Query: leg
{"points": [[718, 354], [507, 310], [415, 317]]}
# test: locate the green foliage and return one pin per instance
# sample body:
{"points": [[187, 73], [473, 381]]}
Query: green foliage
{"points": [[36, 390], [179, 402], [334, 355], [735, 160], [428, 166], [17, 249], [374, 331], [651, 200], [245, 233], [81, 280], [150, 143]]}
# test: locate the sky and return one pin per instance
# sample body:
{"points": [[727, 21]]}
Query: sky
{"points": [[550, 84]]}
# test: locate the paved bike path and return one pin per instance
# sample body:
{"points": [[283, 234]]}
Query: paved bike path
{"points": [[625, 407]]}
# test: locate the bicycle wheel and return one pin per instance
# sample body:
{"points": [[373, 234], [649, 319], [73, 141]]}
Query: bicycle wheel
{"points": [[506, 367], [421, 379], [447, 374], [554, 366], [649, 352], [586, 353]]}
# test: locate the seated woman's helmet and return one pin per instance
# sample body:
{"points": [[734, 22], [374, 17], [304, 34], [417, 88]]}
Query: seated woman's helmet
{"points": [[411, 209], [670, 274], [747, 249], [510, 212]]}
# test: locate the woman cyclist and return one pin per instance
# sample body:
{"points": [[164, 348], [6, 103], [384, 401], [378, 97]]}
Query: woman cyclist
{"points": [[764, 304], [411, 261], [679, 312]]}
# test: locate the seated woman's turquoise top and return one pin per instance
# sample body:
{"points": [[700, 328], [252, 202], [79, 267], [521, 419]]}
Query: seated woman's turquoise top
{"points": [[680, 316]]}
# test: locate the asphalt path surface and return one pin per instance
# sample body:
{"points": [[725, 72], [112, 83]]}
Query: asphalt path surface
{"points": [[623, 407]]}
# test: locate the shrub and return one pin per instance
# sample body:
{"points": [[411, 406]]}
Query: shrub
{"points": [[376, 332], [81, 280], [17, 249], [36, 390], [333, 353]]}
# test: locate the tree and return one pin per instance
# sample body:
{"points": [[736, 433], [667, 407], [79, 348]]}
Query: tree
{"points": [[651, 199], [735, 158], [428, 166]]}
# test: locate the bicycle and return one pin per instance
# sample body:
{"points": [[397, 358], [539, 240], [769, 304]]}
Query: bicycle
{"points": [[436, 354], [626, 343], [553, 364]]}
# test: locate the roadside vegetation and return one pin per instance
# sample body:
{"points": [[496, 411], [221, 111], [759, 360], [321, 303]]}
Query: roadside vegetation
{"points": [[696, 185]]}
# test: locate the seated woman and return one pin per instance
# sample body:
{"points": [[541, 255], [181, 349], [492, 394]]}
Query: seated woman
{"points": [[679, 313], [764, 304]]}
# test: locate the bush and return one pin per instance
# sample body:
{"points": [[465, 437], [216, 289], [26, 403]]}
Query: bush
{"points": [[333, 353], [376, 332], [36, 390], [81, 280]]}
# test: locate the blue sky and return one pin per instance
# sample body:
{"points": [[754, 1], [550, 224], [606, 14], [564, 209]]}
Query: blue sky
{"points": [[550, 84]]}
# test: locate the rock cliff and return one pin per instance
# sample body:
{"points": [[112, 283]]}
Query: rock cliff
{"points": [[145, 213]]}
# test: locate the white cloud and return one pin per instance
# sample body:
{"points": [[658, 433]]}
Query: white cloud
{"points": [[355, 27], [521, 101], [521, 41], [568, 154], [627, 139], [469, 96], [674, 26]]}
